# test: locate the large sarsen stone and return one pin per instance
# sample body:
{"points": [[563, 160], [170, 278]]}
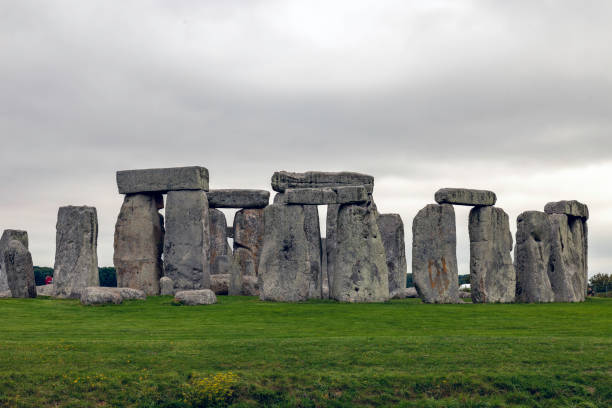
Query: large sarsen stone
{"points": [[220, 250], [8, 236], [464, 196], [434, 254], [492, 274], [391, 230], [282, 180], [19, 270], [76, 257], [162, 180], [572, 208], [187, 240]]}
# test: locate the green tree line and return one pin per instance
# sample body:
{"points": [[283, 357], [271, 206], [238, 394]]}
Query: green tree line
{"points": [[108, 276]]}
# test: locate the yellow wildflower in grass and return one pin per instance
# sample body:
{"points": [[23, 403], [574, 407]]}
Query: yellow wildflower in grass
{"points": [[210, 391]]}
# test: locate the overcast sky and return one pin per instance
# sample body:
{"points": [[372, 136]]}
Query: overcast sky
{"points": [[512, 96]]}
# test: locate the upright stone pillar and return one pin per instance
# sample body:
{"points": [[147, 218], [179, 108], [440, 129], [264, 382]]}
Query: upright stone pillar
{"points": [[285, 265], [331, 228], [139, 238], [359, 268], [19, 270], [568, 266], [313, 236], [532, 256], [8, 236], [492, 274], [220, 250], [248, 243], [76, 257], [392, 232], [187, 240], [434, 254], [324, 274]]}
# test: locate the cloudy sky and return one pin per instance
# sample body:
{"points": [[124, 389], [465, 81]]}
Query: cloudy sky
{"points": [[512, 96]]}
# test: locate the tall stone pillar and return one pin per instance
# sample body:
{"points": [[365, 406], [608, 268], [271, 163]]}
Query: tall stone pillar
{"points": [[220, 251], [434, 254], [8, 236], [139, 238], [392, 232], [76, 257], [19, 270], [187, 240], [248, 243]]}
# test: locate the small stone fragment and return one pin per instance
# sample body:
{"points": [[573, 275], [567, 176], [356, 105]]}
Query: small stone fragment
{"points": [[130, 293], [464, 196], [196, 297], [219, 283], [162, 180], [166, 286], [231, 198], [219, 246]]}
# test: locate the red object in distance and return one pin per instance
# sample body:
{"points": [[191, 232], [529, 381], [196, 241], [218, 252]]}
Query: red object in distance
{"points": [[48, 280]]}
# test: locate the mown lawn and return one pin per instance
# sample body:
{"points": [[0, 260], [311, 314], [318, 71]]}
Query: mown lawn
{"points": [[402, 353]]}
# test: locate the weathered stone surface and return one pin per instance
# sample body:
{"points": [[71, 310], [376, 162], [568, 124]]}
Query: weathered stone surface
{"points": [[45, 290], [464, 196], [434, 254], [76, 257], [391, 230], [162, 180], [282, 180], [285, 264], [130, 293], [360, 272], [222, 265], [248, 240], [326, 195], [7, 236], [464, 295], [331, 227], [567, 268], [19, 270], [492, 274], [219, 283], [531, 257], [219, 246], [196, 297], [232, 198], [139, 240], [96, 295], [187, 240], [313, 236], [166, 286], [324, 275], [573, 208], [5, 293], [243, 264], [411, 292], [250, 285]]}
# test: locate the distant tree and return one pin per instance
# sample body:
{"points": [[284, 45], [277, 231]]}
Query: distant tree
{"points": [[108, 276], [601, 282], [409, 282], [463, 279], [40, 273]]}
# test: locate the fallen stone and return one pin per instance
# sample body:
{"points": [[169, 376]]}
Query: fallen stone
{"points": [[162, 180], [8, 236], [573, 208], [360, 272], [219, 246], [326, 195], [19, 270], [166, 286], [391, 230], [282, 180], [567, 268], [229, 198], [219, 283], [130, 294], [465, 295], [411, 292], [464, 196], [139, 240], [492, 274], [187, 240], [284, 267], [76, 257], [531, 257], [434, 254], [196, 297], [96, 295], [45, 290]]}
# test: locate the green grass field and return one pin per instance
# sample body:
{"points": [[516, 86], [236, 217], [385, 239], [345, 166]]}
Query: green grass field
{"points": [[401, 353]]}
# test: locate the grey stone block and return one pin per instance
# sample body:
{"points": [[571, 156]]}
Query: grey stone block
{"points": [[573, 208], [162, 180], [326, 195], [464, 196], [166, 286], [220, 250], [434, 254], [232, 198], [76, 257], [19, 270], [492, 274], [8, 236], [187, 240], [96, 295], [282, 180], [391, 230], [248, 240], [196, 297]]}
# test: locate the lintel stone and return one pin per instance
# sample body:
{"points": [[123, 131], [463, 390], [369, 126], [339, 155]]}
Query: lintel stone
{"points": [[465, 196], [238, 198], [162, 180]]}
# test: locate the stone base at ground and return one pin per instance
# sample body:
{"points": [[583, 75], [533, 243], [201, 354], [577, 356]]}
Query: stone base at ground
{"points": [[166, 286], [219, 283], [45, 290]]}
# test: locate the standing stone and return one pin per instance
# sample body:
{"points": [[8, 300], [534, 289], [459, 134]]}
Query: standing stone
{"points": [[313, 236], [8, 236], [219, 247], [434, 254], [19, 270], [243, 266], [284, 268], [531, 257], [76, 258], [331, 227], [324, 275], [492, 274], [139, 240], [166, 286], [567, 269], [187, 240], [248, 242], [360, 272], [392, 232]]}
